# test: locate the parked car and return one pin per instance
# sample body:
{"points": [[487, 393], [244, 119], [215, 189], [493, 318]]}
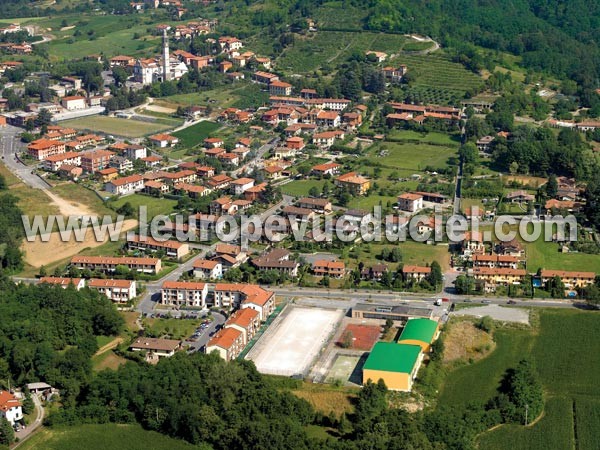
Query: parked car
{"points": [[511, 302]]}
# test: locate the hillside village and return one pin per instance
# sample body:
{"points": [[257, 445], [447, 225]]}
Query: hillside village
{"points": [[203, 124]]}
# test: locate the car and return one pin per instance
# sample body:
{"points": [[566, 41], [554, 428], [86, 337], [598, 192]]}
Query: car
{"points": [[445, 299], [486, 301], [511, 302], [466, 300]]}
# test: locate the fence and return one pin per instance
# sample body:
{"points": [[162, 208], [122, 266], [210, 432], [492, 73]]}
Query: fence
{"points": [[262, 329]]}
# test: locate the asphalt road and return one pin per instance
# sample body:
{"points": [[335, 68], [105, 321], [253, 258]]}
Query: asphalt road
{"points": [[10, 145], [31, 427]]}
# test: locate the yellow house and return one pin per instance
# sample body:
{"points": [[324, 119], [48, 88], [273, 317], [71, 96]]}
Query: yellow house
{"points": [[396, 364], [421, 332]]}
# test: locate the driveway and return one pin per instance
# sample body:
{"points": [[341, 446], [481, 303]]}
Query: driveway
{"points": [[31, 427]]}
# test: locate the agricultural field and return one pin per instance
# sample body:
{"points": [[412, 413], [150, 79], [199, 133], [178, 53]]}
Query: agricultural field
{"points": [[109, 34], [127, 128], [100, 437], [195, 135], [560, 350], [437, 79], [332, 47]]}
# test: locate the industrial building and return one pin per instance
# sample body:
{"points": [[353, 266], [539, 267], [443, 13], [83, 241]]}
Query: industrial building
{"points": [[421, 332], [396, 364]]}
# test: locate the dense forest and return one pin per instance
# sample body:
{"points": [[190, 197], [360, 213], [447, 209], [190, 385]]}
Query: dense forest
{"points": [[11, 230], [49, 333], [220, 405]]}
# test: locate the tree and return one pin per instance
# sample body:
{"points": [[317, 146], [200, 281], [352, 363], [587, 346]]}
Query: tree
{"points": [[551, 187], [464, 285], [524, 390], [314, 192], [347, 339], [486, 323], [43, 271], [43, 119], [435, 277], [120, 75], [126, 210], [7, 434]]}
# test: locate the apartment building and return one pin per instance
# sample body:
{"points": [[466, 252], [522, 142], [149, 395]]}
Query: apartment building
{"points": [[228, 343], [125, 185], [118, 291], [96, 160], [53, 163], [505, 261], [41, 149], [208, 269], [246, 320], [184, 293], [571, 280], [172, 249], [492, 277], [108, 264], [415, 273]]}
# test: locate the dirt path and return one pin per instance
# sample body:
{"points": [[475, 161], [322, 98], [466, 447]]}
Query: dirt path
{"points": [[68, 208], [112, 344]]}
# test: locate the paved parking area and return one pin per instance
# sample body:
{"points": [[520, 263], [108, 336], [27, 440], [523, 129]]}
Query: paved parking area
{"points": [[496, 312]]}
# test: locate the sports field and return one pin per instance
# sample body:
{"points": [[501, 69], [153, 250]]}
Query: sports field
{"points": [[345, 368], [363, 336], [119, 127], [293, 341]]}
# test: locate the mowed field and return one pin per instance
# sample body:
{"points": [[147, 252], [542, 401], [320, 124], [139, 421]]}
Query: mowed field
{"points": [[127, 128], [101, 437], [541, 254], [564, 351]]}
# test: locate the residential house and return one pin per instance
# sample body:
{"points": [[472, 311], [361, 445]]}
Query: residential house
{"points": [[277, 87], [519, 197], [277, 259], [374, 272], [155, 347], [96, 160], [410, 202], [327, 138], [334, 269], [10, 408], [492, 277], [246, 320], [415, 273], [109, 174], [227, 342], [77, 283], [318, 205], [330, 168], [241, 185], [571, 279], [125, 185], [221, 181], [74, 102], [118, 291], [208, 269], [43, 148], [164, 140], [495, 261], [54, 162], [356, 184]]}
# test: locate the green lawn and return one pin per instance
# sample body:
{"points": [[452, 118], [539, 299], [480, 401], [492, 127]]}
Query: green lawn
{"points": [[546, 255], [412, 253], [241, 94], [194, 135], [127, 128], [425, 138], [411, 156], [300, 188], [174, 328], [101, 437], [154, 205], [562, 351]]}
